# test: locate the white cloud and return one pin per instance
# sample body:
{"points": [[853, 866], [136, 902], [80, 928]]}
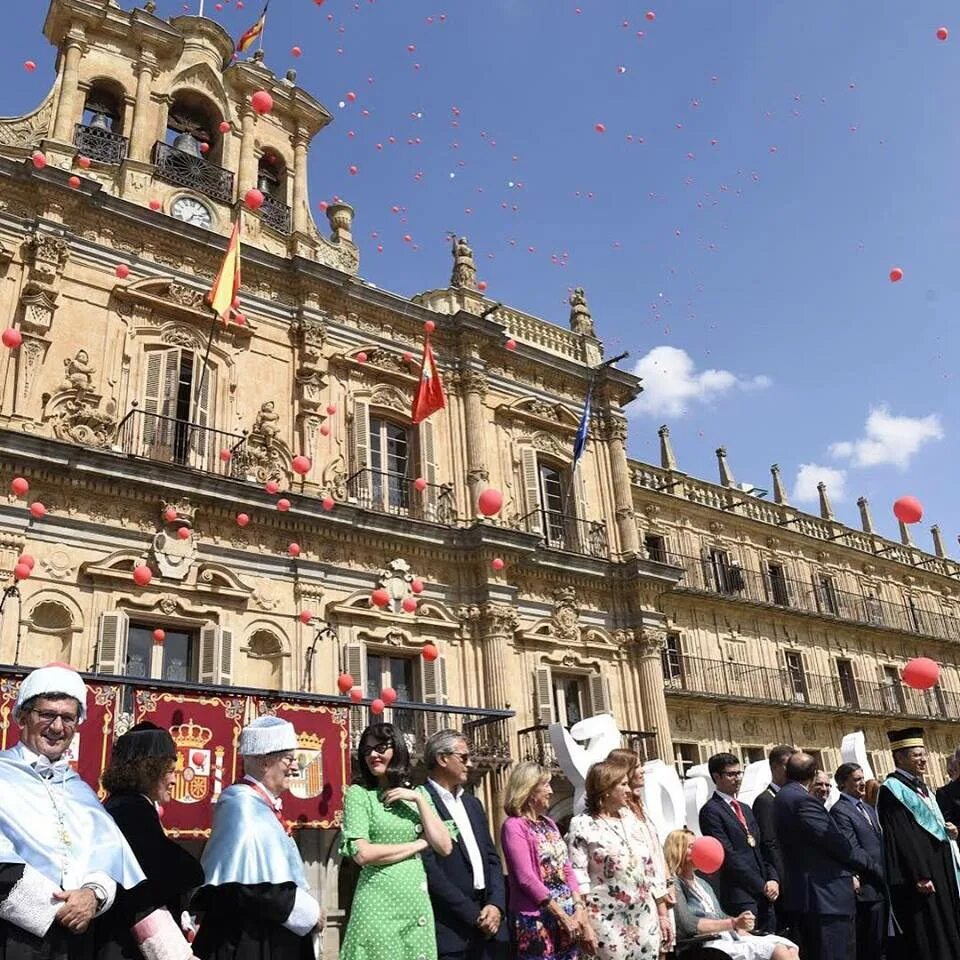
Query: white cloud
{"points": [[888, 439], [671, 383], [810, 474]]}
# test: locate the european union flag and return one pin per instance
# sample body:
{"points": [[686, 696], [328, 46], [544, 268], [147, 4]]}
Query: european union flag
{"points": [[580, 443]]}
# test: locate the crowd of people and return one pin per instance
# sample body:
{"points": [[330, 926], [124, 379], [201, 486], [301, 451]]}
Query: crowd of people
{"points": [[874, 876]]}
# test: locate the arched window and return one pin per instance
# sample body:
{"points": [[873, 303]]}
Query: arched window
{"points": [[263, 661], [99, 134], [272, 183], [50, 633]]}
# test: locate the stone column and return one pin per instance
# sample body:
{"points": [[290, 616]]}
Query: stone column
{"points": [[648, 647], [70, 105], [475, 386], [622, 485], [248, 158], [299, 201], [143, 131]]}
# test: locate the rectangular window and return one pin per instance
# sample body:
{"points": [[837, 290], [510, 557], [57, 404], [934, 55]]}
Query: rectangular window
{"points": [[914, 614], [672, 660], [778, 584], [569, 699], [891, 692], [389, 466], [397, 672], [552, 503], [656, 547], [175, 659], [827, 597], [848, 685], [753, 755], [686, 755], [718, 564], [796, 677]]}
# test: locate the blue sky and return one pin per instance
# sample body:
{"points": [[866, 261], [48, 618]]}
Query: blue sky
{"points": [[748, 277]]}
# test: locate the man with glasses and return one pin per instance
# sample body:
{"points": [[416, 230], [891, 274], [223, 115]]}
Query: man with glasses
{"points": [[747, 881], [62, 857], [467, 887], [255, 902]]}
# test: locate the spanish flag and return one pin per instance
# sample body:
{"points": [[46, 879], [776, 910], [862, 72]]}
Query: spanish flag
{"points": [[227, 285], [428, 397], [247, 40]]}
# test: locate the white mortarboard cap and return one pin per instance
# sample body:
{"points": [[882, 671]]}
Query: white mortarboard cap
{"points": [[267, 734], [54, 678]]}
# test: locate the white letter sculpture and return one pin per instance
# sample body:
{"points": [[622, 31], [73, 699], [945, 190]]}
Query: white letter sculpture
{"points": [[601, 735]]}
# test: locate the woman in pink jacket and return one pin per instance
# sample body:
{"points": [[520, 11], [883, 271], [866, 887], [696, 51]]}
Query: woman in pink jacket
{"points": [[547, 915]]}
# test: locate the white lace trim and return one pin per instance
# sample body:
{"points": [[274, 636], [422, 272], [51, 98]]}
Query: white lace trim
{"points": [[162, 938], [30, 904], [304, 915]]}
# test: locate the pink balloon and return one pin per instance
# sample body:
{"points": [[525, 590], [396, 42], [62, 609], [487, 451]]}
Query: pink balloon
{"points": [[420, 484], [305, 617], [11, 338], [272, 487], [416, 586], [21, 571], [225, 126], [242, 519], [159, 635], [253, 199], [497, 563], [142, 575], [356, 694], [39, 159], [283, 504], [429, 326], [908, 510], [328, 503], [184, 533], [294, 549], [19, 486], [27, 559], [896, 275], [377, 706], [380, 597], [344, 682], [388, 695], [409, 604], [429, 652], [490, 501], [122, 271], [261, 102], [921, 673], [707, 854], [301, 464], [38, 510]]}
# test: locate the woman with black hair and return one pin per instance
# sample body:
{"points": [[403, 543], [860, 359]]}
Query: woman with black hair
{"points": [[386, 826]]}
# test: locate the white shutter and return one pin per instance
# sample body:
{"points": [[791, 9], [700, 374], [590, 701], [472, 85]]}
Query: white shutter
{"points": [[360, 451], [598, 687], [216, 654], [202, 446], [112, 642], [434, 685], [543, 694], [151, 395], [578, 492], [355, 663], [531, 489], [428, 470]]}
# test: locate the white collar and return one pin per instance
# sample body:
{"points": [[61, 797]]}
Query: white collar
{"points": [[34, 759], [277, 802], [723, 796], [445, 794]]}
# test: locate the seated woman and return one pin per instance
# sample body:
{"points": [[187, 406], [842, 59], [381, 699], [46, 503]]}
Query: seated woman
{"points": [[698, 911]]}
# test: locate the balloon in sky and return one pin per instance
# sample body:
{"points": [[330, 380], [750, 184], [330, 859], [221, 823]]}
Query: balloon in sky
{"points": [[908, 510], [942, 33], [261, 102], [896, 275]]}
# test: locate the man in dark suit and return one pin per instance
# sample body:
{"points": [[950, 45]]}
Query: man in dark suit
{"points": [[467, 889], [948, 796], [820, 865], [746, 881], [763, 808], [858, 822]]}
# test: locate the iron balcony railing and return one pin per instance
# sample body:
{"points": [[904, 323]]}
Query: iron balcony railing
{"points": [[99, 144], [821, 596], [274, 213], [395, 493], [185, 170], [700, 677], [169, 440], [534, 744], [560, 531]]}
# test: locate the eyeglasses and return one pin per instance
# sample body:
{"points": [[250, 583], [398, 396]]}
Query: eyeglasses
{"points": [[49, 717], [288, 761], [379, 748], [464, 758], [732, 774]]}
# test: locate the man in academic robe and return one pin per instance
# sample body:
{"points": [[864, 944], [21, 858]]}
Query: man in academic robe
{"points": [[948, 796], [747, 881], [62, 857], [255, 900], [920, 856], [467, 889]]}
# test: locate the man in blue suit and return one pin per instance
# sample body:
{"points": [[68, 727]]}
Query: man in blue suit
{"points": [[467, 889], [747, 880], [859, 823], [820, 866]]}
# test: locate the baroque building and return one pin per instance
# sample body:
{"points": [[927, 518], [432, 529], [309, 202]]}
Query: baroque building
{"points": [[700, 615]]}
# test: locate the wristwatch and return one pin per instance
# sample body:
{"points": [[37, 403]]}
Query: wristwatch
{"points": [[99, 894]]}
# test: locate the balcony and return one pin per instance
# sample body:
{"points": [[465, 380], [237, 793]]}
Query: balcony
{"points": [[824, 598], [274, 213], [99, 144], [560, 531], [180, 442], [700, 678], [185, 170], [395, 494], [534, 744]]}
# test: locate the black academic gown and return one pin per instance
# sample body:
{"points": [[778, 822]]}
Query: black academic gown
{"points": [[172, 874], [930, 925]]}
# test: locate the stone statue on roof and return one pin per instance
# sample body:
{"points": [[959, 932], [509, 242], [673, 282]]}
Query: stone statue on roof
{"points": [[464, 269], [580, 319]]}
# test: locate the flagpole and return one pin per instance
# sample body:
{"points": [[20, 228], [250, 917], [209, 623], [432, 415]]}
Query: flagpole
{"points": [[200, 14], [263, 29]]}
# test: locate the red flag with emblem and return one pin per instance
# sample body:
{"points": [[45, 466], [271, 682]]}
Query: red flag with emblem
{"points": [[429, 397]]}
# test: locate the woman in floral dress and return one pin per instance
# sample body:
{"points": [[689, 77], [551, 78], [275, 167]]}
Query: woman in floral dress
{"points": [[386, 827], [547, 915], [611, 868]]}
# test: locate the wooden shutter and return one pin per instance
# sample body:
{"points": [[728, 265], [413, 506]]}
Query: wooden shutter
{"points": [[531, 489], [112, 642], [226, 656], [160, 392], [216, 654], [428, 470], [355, 663], [543, 694], [202, 446], [578, 508], [360, 451], [433, 677], [598, 687]]}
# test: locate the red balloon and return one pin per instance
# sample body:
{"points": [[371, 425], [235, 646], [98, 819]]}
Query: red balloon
{"points": [[11, 338], [377, 706], [39, 159], [490, 501], [344, 682], [204, 147], [225, 126], [420, 484], [294, 549], [324, 430], [600, 128], [407, 357], [242, 519], [416, 586], [361, 358], [184, 533], [21, 571], [253, 199], [122, 271], [942, 33], [83, 163], [142, 575], [511, 344], [74, 182], [27, 559], [331, 409], [921, 673], [356, 694], [497, 563], [296, 51], [29, 66], [261, 102], [305, 617], [19, 486], [707, 854], [155, 204], [409, 604], [429, 652], [353, 170], [429, 326], [650, 15], [388, 695], [481, 285], [159, 635], [170, 514], [351, 96], [301, 464], [328, 503], [272, 487], [225, 455], [908, 510], [38, 510], [380, 597], [283, 504], [896, 275]]}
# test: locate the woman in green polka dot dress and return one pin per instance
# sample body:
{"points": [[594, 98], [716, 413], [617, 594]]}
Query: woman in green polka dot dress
{"points": [[385, 829]]}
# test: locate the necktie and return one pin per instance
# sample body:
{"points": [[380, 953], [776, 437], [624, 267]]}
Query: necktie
{"points": [[738, 813], [866, 814]]}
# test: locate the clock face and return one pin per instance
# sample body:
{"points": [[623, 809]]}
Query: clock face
{"points": [[191, 211]]}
